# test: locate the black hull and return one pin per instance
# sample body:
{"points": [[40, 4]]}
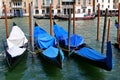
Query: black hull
{"points": [[55, 61], [99, 64], [12, 62]]}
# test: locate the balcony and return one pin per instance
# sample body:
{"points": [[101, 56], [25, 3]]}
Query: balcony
{"points": [[58, 6], [14, 6], [84, 6], [46, 6], [67, 6]]}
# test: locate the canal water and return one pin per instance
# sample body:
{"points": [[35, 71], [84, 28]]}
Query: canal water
{"points": [[37, 69]]}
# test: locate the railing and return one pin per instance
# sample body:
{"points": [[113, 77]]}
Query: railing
{"points": [[84, 6], [44, 6], [67, 6], [17, 6], [58, 6]]}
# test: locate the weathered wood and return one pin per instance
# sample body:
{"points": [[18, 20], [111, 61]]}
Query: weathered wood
{"points": [[98, 23], [74, 27], [6, 21], [69, 23], [118, 26], [108, 33], [31, 28], [51, 32]]}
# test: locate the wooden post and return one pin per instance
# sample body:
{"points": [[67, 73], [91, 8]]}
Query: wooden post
{"points": [[93, 6], [98, 23], [108, 33], [74, 27], [51, 19], [104, 31], [69, 23], [6, 21], [31, 28], [119, 25]]}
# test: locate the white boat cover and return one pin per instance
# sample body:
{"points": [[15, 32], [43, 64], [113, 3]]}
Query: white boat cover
{"points": [[15, 40]]}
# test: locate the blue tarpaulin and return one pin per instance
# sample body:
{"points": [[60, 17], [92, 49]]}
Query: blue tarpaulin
{"points": [[42, 38], [62, 35]]}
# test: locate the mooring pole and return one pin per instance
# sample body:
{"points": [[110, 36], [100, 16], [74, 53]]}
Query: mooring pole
{"points": [[51, 19], [74, 27], [31, 27], [69, 23], [6, 21], [108, 33], [104, 30], [98, 23], [118, 26]]}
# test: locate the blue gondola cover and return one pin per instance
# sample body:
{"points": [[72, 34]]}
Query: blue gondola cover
{"points": [[62, 35], [44, 40]]}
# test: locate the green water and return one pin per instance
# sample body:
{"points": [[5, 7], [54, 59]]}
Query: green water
{"points": [[37, 69]]}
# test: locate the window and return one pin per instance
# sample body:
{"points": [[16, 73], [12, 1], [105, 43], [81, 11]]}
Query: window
{"points": [[3, 3], [43, 11], [10, 11], [78, 1], [102, 6], [36, 11], [84, 2], [25, 10], [89, 1], [43, 3], [31, 3], [102, 0], [58, 2], [58, 11], [108, 6], [51, 1], [24, 4], [83, 10], [10, 4], [53, 11], [78, 11]]}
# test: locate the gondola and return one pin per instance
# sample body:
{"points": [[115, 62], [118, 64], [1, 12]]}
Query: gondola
{"points": [[80, 50], [15, 46], [47, 47]]}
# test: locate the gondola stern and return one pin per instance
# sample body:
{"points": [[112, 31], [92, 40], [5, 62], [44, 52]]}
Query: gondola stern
{"points": [[59, 59], [109, 59]]}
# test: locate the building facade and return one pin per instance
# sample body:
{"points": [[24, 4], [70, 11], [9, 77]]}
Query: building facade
{"points": [[0, 8], [16, 7], [62, 6], [41, 7]]}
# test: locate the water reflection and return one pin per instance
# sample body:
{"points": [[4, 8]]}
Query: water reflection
{"points": [[17, 72], [89, 71], [29, 69]]}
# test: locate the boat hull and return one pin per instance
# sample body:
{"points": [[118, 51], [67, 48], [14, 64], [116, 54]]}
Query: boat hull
{"points": [[99, 64], [12, 61], [57, 61], [76, 18]]}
